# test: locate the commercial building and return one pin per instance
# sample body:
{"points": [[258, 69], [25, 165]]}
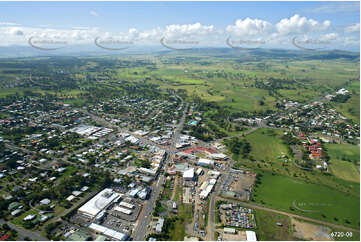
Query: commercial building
{"points": [[109, 232], [98, 203], [123, 210], [205, 162], [188, 175], [127, 205]]}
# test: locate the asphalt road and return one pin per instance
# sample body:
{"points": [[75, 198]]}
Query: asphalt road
{"points": [[146, 214], [24, 232]]}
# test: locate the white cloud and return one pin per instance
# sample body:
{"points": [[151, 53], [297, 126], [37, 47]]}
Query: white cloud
{"points": [[301, 25], [93, 13], [188, 29], [329, 37], [353, 28], [15, 31], [249, 27]]}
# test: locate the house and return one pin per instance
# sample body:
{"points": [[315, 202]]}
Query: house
{"points": [[159, 225], [45, 201]]}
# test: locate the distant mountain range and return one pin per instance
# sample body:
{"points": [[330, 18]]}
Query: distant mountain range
{"points": [[89, 50]]}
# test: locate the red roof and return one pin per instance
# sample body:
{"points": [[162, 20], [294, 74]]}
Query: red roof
{"points": [[191, 150], [5, 237]]}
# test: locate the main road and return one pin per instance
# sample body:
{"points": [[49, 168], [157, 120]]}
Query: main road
{"points": [[143, 221]]}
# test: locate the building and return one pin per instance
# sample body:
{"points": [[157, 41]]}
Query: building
{"points": [[251, 236], [127, 205], [143, 194], [199, 171], [342, 91], [123, 210], [45, 201], [217, 156], [133, 193], [205, 162], [98, 203], [159, 225], [188, 175], [204, 193], [147, 171], [109, 232], [229, 230]]}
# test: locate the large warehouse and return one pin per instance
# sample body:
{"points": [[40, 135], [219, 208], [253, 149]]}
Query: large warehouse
{"points": [[98, 203]]}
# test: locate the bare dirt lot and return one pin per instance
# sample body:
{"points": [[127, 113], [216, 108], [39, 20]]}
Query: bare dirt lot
{"points": [[309, 231], [241, 184]]}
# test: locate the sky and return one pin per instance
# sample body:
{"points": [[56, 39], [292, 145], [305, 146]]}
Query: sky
{"points": [[314, 25]]}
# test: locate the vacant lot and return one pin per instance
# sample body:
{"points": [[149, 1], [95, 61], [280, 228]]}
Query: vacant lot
{"points": [[267, 229], [345, 161], [266, 145], [308, 231], [307, 199]]}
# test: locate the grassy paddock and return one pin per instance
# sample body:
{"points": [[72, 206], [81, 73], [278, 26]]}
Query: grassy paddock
{"points": [[307, 199]]}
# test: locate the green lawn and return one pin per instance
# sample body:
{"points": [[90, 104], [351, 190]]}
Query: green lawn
{"points": [[316, 201], [19, 220]]}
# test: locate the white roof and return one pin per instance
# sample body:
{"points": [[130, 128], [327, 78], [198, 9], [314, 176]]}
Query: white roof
{"points": [[205, 161], [212, 181], [199, 171], [217, 156], [109, 232], [127, 205], [251, 236], [204, 185], [71, 197], [188, 173], [99, 202], [123, 210]]}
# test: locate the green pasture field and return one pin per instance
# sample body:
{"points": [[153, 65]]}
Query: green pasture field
{"points": [[266, 144], [345, 160], [307, 199]]}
